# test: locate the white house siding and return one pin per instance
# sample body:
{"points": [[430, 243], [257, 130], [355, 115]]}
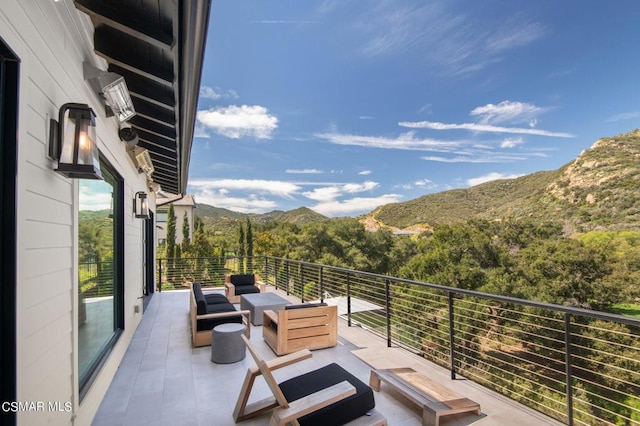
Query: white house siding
{"points": [[52, 39], [179, 210]]}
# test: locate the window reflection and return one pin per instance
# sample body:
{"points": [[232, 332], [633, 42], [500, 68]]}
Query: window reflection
{"points": [[96, 322]]}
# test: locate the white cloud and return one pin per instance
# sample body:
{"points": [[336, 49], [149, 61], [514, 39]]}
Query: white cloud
{"points": [[477, 158], [624, 116], [94, 195], [354, 206], [253, 196], [304, 171], [216, 93], [511, 142], [423, 182], [365, 117], [239, 121], [244, 204], [329, 193], [405, 141], [365, 172], [444, 37], [285, 22], [200, 132], [276, 187], [489, 177], [326, 193], [482, 128], [507, 111]]}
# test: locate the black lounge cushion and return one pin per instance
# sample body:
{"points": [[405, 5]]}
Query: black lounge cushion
{"points": [[208, 324], [212, 303], [246, 289], [338, 413], [215, 298], [305, 305], [204, 300], [243, 280], [201, 302]]}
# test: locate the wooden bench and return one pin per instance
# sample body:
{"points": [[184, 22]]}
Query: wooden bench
{"points": [[436, 400]]}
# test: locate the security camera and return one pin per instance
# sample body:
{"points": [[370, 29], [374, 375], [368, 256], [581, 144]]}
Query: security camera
{"points": [[128, 134]]}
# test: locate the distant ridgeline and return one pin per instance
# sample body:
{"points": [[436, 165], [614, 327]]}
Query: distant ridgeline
{"points": [[599, 190]]}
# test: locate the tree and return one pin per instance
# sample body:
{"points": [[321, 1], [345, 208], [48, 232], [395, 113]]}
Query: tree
{"points": [[249, 246], [186, 232], [171, 232], [241, 247], [565, 271]]}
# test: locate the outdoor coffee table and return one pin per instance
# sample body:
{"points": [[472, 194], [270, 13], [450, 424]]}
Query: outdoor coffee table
{"points": [[257, 303]]}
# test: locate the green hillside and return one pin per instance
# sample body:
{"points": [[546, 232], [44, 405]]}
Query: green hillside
{"points": [[597, 191], [222, 221]]}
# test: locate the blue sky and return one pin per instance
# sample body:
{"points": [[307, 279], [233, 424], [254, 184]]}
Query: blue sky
{"points": [[343, 106]]}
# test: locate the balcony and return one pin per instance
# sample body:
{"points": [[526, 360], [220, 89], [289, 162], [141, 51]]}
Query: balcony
{"points": [[524, 362]]}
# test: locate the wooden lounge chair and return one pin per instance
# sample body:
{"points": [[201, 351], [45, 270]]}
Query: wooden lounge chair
{"points": [[236, 285], [327, 396], [305, 326], [208, 310]]}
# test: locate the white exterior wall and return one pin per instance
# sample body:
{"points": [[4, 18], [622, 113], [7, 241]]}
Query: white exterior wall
{"points": [[52, 39], [180, 210], [161, 232]]}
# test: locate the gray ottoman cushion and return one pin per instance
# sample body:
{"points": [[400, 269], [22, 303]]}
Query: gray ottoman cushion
{"points": [[226, 344]]}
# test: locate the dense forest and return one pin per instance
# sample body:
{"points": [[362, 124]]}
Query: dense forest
{"points": [[526, 259]]}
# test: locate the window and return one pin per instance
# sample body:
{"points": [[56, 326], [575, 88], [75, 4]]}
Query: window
{"points": [[100, 276], [161, 215]]}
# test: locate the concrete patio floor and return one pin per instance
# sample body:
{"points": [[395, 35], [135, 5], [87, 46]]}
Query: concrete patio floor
{"points": [[162, 380]]}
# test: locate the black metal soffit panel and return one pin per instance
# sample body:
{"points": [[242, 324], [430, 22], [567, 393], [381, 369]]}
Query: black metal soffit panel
{"points": [[158, 47]]}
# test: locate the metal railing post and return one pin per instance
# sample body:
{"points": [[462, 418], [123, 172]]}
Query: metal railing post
{"points": [[568, 369], [159, 275], [266, 270], [348, 299], [321, 285], [452, 339], [286, 275], [302, 283], [387, 301]]}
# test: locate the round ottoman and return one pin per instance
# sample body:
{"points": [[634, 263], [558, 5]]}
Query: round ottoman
{"points": [[226, 344]]}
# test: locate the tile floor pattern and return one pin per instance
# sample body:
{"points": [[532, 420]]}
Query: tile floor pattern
{"points": [[162, 380]]}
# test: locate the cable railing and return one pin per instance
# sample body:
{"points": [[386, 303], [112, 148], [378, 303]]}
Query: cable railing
{"points": [[578, 366], [96, 279]]}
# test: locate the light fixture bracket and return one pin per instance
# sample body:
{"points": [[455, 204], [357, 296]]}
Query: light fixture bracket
{"points": [[113, 88]]}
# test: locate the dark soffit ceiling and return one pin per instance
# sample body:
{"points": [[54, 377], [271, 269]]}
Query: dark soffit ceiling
{"points": [[158, 47]]}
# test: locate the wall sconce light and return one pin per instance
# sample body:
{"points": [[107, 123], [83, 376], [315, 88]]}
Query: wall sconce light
{"points": [[140, 205], [114, 89], [72, 141]]}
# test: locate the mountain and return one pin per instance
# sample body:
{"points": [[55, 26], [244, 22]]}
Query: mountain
{"points": [[205, 210], [220, 219], [298, 216], [599, 190]]}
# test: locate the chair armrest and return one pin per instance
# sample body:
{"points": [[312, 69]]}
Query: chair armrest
{"points": [[286, 360], [261, 285], [273, 317], [246, 314], [311, 403], [222, 314]]}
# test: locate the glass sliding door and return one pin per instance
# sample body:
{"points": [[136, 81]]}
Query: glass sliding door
{"points": [[99, 288]]}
